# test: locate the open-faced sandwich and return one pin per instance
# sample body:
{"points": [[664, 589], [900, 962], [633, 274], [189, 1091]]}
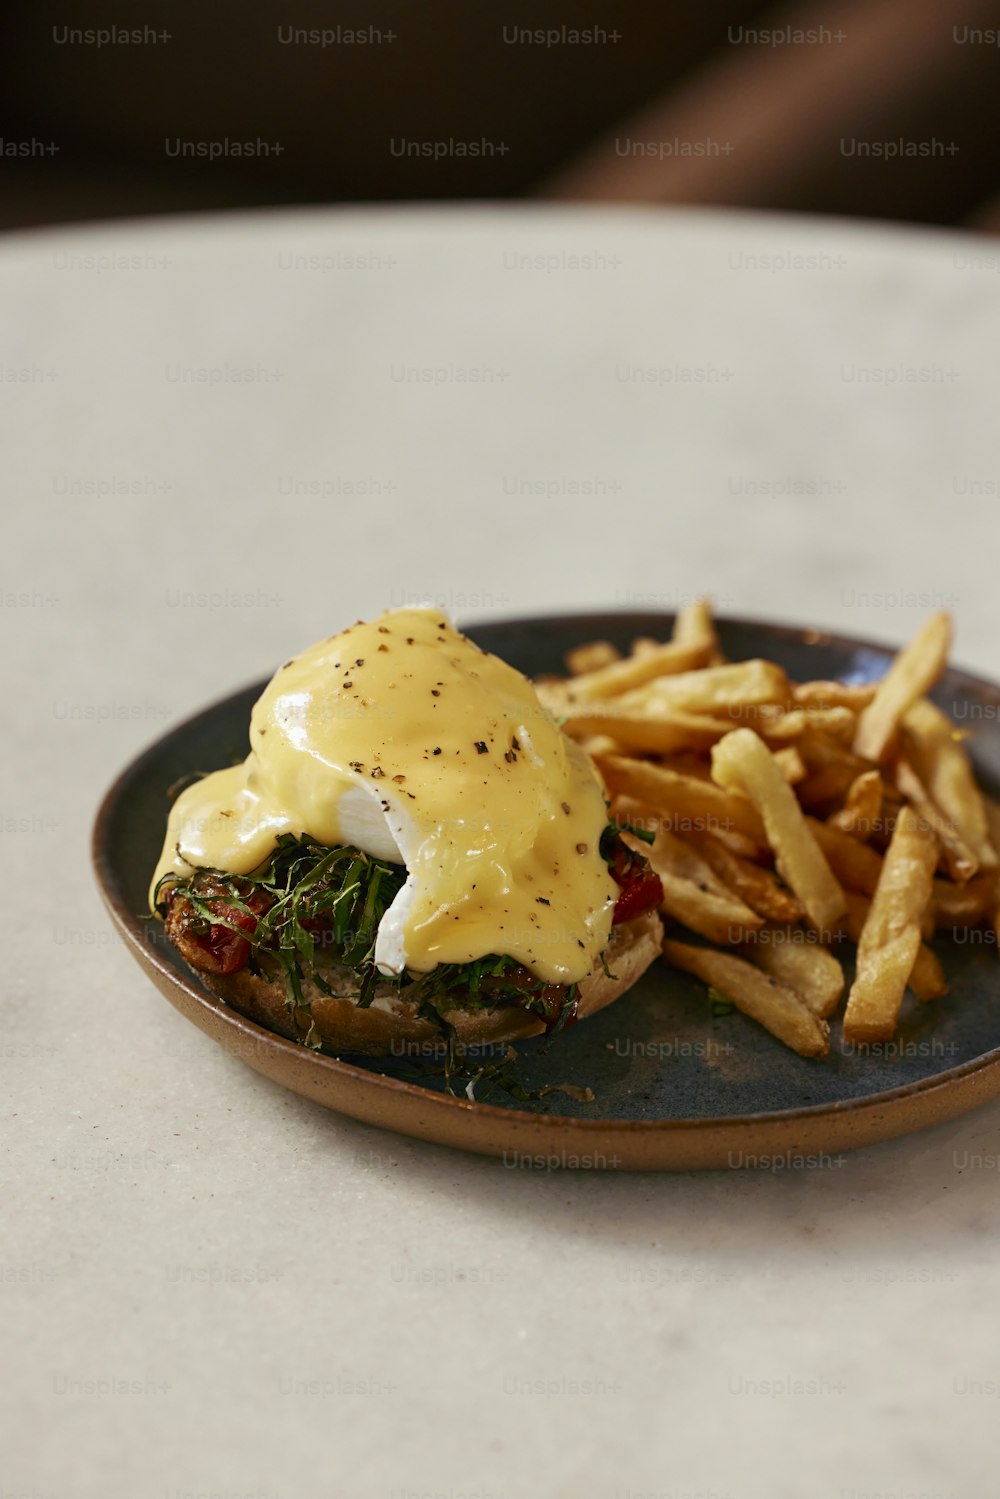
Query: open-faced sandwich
{"points": [[411, 853]]}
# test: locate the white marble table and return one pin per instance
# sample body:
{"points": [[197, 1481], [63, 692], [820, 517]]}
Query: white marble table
{"points": [[224, 438]]}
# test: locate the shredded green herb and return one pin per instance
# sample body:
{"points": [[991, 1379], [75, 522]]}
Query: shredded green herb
{"points": [[719, 1003], [332, 900], [609, 838]]}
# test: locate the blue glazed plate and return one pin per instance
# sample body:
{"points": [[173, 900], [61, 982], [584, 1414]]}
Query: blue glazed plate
{"points": [[674, 1087]]}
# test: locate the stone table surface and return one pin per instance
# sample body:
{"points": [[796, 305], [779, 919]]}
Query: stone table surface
{"points": [[226, 437]]}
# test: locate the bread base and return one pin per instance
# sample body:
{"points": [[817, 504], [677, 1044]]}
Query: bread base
{"points": [[390, 1025]]}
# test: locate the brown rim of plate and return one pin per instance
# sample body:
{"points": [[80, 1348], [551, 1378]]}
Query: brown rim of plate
{"points": [[673, 1144]]}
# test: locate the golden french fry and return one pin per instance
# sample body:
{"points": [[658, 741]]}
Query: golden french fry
{"points": [[915, 669], [694, 626], [688, 763], [597, 745], [960, 862], [856, 866], [790, 763], [644, 645], [821, 788], [723, 690], [739, 844], [862, 806], [819, 751], [788, 955], [758, 887], [693, 622], [633, 673], [687, 803], [690, 827], [853, 695], [938, 757], [832, 769], [742, 762], [877, 992], [669, 727], [964, 905], [592, 657], [694, 895], [927, 979], [658, 736], [838, 723], [776, 1007], [669, 734], [676, 856], [886, 820], [890, 938]]}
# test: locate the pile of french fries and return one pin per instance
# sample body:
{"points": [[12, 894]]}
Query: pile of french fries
{"points": [[790, 817]]}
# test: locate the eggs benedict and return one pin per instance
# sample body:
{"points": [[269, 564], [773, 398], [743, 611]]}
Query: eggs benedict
{"points": [[411, 851]]}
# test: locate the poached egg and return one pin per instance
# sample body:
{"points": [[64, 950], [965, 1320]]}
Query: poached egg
{"points": [[404, 739]]}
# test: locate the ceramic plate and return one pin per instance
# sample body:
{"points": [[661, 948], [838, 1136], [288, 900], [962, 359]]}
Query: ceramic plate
{"points": [[674, 1087]]}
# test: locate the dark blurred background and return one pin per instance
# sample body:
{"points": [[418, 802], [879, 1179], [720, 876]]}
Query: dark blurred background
{"points": [[875, 108]]}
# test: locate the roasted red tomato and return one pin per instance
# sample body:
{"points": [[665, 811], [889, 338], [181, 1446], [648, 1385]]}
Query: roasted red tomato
{"points": [[642, 894], [220, 949], [639, 884]]}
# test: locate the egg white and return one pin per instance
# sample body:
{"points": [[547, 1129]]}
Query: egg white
{"points": [[384, 832]]}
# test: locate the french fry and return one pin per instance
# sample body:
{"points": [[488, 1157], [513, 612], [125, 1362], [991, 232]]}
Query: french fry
{"points": [[964, 905], [597, 745], [775, 804], [809, 969], [890, 938], [693, 622], [645, 645], [669, 734], [790, 763], [723, 690], [694, 626], [877, 992], [630, 809], [884, 823], [822, 787], [927, 979], [694, 895], [658, 736], [686, 802], [916, 668], [758, 887], [688, 763], [742, 762], [776, 1007], [702, 911], [837, 723], [856, 866], [592, 657], [862, 806], [853, 695], [960, 862], [832, 769], [820, 751], [939, 759], [632, 672]]}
